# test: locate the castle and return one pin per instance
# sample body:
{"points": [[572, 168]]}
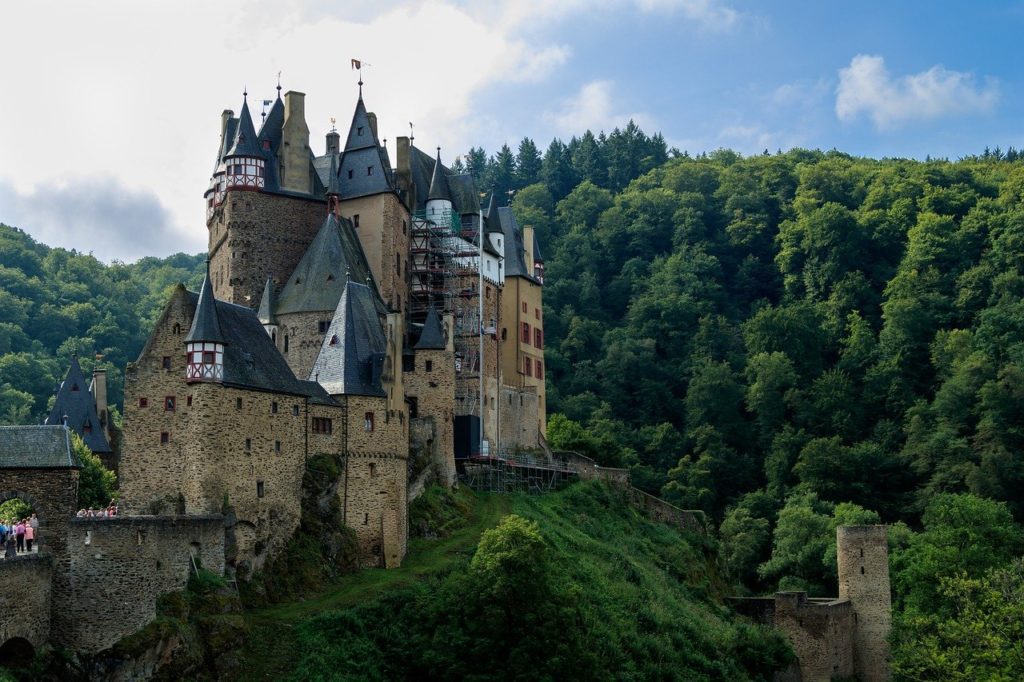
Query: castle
{"points": [[350, 308]]}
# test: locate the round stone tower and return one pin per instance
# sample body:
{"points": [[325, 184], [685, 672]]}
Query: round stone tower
{"points": [[863, 554]]}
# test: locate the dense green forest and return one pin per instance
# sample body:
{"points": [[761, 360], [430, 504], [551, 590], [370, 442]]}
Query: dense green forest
{"points": [[55, 303], [797, 340]]}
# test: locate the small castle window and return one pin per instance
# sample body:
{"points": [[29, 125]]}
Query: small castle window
{"points": [[143, 402], [359, 130], [403, 227], [369, 170], [285, 343], [169, 403], [74, 387], [536, 313], [295, 410], [188, 401], [487, 291], [350, 175], [429, 364], [177, 328], [273, 407], [238, 403], [368, 422], [259, 488], [322, 425], [504, 333], [209, 357], [862, 551], [373, 469], [540, 369], [524, 306], [322, 325], [248, 444], [366, 519], [355, 220], [528, 367], [862, 570], [165, 438], [277, 446]]}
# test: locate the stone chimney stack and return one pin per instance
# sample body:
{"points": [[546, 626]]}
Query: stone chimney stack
{"points": [[225, 116], [372, 118], [294, 152], [99, 394], [403, 173], [528, 247]]}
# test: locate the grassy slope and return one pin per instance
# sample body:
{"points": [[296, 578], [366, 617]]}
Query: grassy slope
{"points": [[648, 594], [272, 630]]}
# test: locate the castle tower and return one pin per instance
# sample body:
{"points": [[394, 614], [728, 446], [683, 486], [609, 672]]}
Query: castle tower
{"points": [[863, 555], [439, 198], [204, 345], [430, 391]]}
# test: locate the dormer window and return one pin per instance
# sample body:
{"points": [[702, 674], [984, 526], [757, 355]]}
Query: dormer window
{"points": [[369, 170], [350, 174], [266, 144], [359, 130]]}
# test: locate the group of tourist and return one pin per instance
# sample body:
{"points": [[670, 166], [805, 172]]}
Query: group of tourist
{"points": [[100, 513], [17, 536]]}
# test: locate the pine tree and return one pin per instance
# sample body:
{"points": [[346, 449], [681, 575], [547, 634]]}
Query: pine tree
{"points": [[528, 163]]}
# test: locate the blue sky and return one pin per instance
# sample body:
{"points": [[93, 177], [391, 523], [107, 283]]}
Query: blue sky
{"points": [[110, 121]]}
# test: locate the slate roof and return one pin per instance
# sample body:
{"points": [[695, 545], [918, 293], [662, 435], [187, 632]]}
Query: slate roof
{"points": [[439, 182], [365, 159], [432, 336], [333, 257], [245, 142], [463, 191], [351, 359], [266, 309], [205, 321], [515, 258], [77, 403], [250, 358], [37, 447]]}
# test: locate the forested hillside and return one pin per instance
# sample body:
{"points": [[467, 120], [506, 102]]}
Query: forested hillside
{"points": [[795, 341], [54, 303]]}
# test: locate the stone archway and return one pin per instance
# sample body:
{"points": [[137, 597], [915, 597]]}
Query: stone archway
{"points": [[16, 652], [36, 508]]}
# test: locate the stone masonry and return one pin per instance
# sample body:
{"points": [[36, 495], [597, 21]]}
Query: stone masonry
{"points": [[26, 600]]}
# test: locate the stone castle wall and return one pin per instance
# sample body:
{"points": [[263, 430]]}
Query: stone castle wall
{"points": [[304, 339], [517, 413], [256, 235], [863, 556], [820, 632], [118, 567], [434, 392], [25, 600], [374, 498], [383, 232]]}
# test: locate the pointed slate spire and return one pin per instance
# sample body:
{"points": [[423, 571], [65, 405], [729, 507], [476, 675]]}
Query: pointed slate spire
{"points": [[272, 127], [360, 133], [363, 167], [432, 336], [439, 182], [266, 311], [245, 141], [205, 323]]}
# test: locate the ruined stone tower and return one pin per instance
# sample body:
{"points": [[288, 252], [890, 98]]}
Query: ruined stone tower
{"points": [[863, 554]]}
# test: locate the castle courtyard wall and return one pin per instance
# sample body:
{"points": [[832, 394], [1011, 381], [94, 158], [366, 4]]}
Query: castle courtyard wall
{"points": [[434, 391], [25, 606], [119, 566]]}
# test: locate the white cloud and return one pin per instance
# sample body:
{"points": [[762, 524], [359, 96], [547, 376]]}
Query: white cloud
{"points": [[709, 13], [593, 108], [866, 87]]}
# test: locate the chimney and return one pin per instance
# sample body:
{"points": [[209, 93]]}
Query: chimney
{"points": [[404, 172], [225, 116], [99, 394], [528, 246], [372, 118], [333, 142], [294, 152]]}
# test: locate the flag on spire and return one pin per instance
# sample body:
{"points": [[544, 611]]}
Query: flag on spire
{"points": [[356, 64]]}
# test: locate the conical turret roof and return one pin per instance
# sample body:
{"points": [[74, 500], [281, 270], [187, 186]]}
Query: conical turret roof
{"points": [[351, 359], [334, 256], [333, 184], [439, 182], [76, 403], [205, 323], [245, 142], [432, 336], [363, 168]]}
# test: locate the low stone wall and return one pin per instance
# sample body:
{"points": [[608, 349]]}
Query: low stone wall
{"points": [[25, 598], [118, 567]]}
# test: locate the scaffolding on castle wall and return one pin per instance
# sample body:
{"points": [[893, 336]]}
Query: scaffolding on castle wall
{"points": [[445, 272], [511, 472]]}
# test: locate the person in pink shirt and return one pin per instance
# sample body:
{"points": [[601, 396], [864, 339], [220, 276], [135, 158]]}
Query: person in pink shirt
{"points": [[19, 531], [30, 535]]}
